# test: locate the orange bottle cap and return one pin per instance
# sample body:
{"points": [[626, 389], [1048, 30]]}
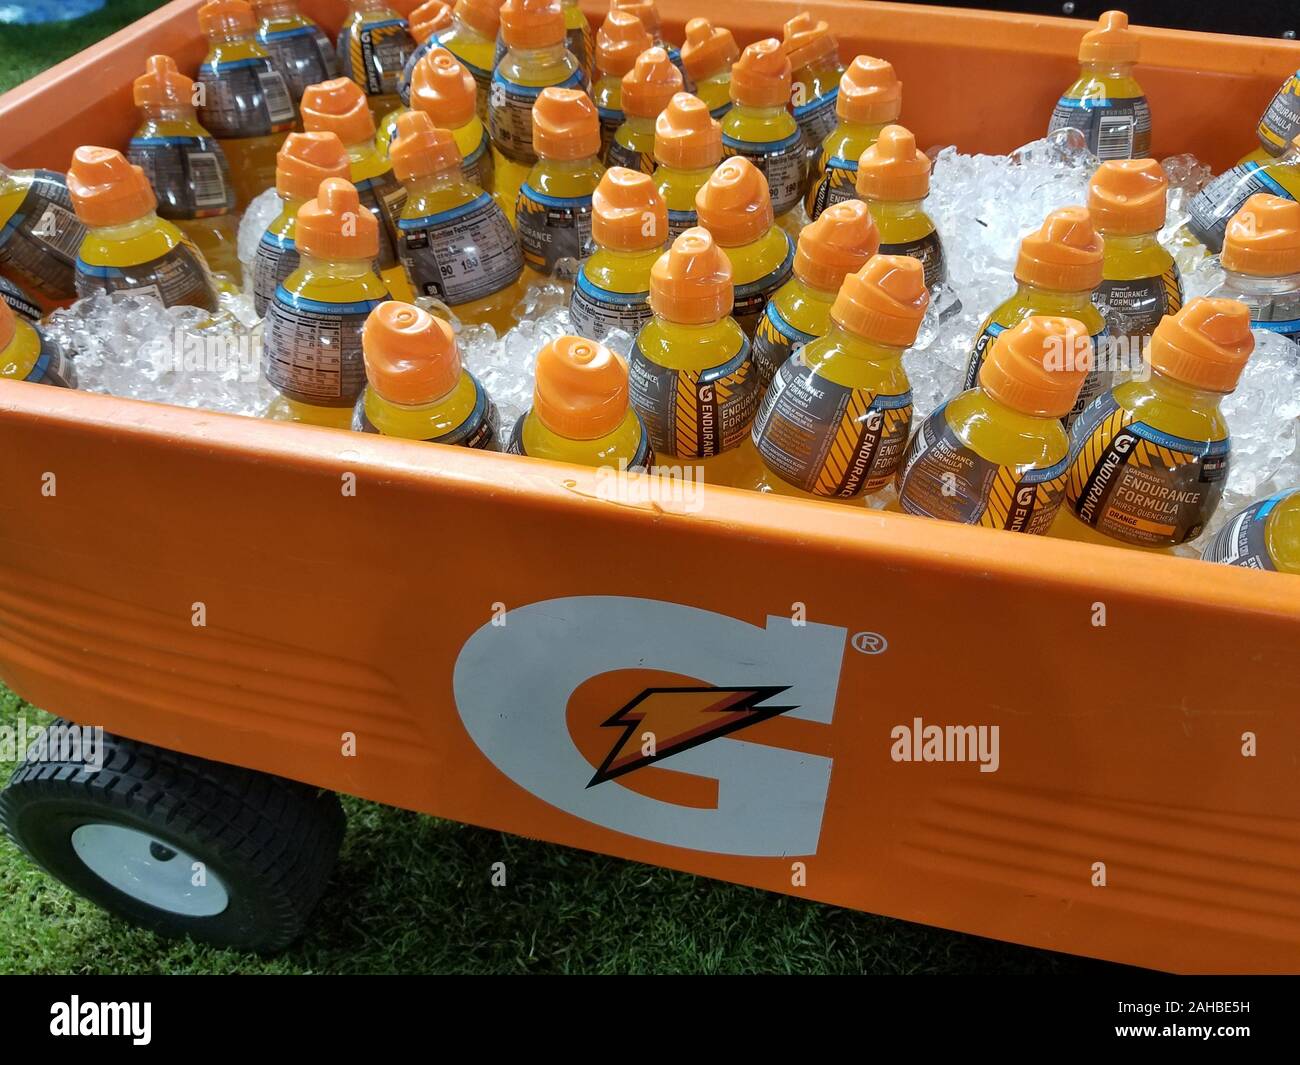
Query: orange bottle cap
{"points": [[226, 16], [307, 159], [7, 325], [1064, 255], [106, 190], [644, 10], [1263, 238], [761, 76], [443, 89], [686, 135], [429, 18], [532, 23], [870, 92], [411, 357], [734, 205], [1127, 196], [163, 85], [338, 106], [837, 244], [335, 225], [708, 49], [421, 149], [566, 124], [1111, 42], [806, 41], [482, 16], [690, 283], [1205, 345], [893, 168], [650, 84], [581, 388], [1038, 366], [620, 39], [884, 301], [627, 212]]}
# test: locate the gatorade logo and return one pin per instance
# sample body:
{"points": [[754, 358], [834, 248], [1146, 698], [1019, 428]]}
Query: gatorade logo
{"points": [[562, 696]]}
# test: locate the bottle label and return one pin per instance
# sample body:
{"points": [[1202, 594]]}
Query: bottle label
{"points": [[299, 52], [245, 98], [461, 255], [782, 163], [1213, 207], [408, 68], [1243, 541], [643, 459], [594, 311], [1139, 485], [1114, 128], [510, 114], [775, 340], [276, 259], [384, 197], [578, 40], [679, 222], [189, 175], [941, 477], [752, 298], [817, 118], [478, 430], [52, 366], [552, 228], [1277, 315], [41, 239], [373, 54], [928, 250], [827, 439], [179, 276], [313, 349], [478, 167], [1133, 308], [621, 155], [19, 302], [610, 120], [1281, 119], [837, 183]]}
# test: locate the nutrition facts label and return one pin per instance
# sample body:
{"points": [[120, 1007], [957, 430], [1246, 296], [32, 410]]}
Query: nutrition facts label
{"points": [[189, 175], [276, 259], [312, 351], [817, 119], [245, 98], [594, 311], [1213, 207], [461, 255], [782, 163]]}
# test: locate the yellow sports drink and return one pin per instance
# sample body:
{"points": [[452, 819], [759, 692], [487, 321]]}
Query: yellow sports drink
{"points": [[1264, 535], [629, 226], [1057, 269], [688, 148], [427, 22], [553, 212], [1105, 103], [839, 243], [997, 454], [312, 350], [39, 231], [1261, 264], [578, 37], [127, 247], [894, 180], [580, 410], [691, 376], [456, 243], [185, 166], [870, 97], [27, 355], [374, 44], [299, 47], [759, 126], [1215, 205], [1140, 282], [816, 71], [734, 206], [1149, 458], [648, 14], [242, 98], [304, 162], [647, 88], [339, 106], [620, 40], [472, 39], [416, 387], [707, 57], [834, 424]]}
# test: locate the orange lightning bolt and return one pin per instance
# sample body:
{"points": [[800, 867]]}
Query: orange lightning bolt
{"points": [[678, 719]]}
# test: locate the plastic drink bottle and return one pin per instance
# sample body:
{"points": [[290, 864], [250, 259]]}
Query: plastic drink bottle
{"points": [[427, 22], [536, 57], [1106, 103], [339, 106], [691, 376], [838, 244], [1057, 269], [243, 99], [1280, 122], [312, 348], [759, 126], [1261, 264], [472, 40], [648, 13], [707, 58], [816, 71], [374, 44], [1150, 456], [1214, 206], [299, 47], [834, 424], [127, 247], [185, 166], [647, 88], [553, 213], [580, 410], [619, 41], [688, 148], [416, 387], [26, 354], [1264, 535], [997, 455], [629, 225], [39, 231], [19, 301], [304, 162], [733, 205], [578, 37], [456, 243]]}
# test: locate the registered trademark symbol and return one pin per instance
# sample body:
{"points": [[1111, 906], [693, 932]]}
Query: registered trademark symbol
{"points": [[869, 643]]}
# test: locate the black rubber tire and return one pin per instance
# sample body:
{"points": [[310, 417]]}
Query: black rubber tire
{"points": [[272, 842]]}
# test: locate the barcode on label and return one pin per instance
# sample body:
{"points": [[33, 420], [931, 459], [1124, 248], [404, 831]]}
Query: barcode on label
{"points": [[279, 104], [205, 175], [59, 229], [1115, 136]]}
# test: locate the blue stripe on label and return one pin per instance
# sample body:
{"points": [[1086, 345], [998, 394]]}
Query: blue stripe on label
{"points": [[1049, 473], [720, 112], [163, 142], [42, 364], [1072, 104], [442, 217], [782, 326], [218, 69], [729, 367], [609, 114], [1272, 501], [1287, 327], [301, 303], [761, 147], [472, 421], [604, 295], [98, 271], [838, 162], [822, 103], [533, 91], [1261, 175], [687, 218], [280, 35], [554, 201], [898, 402], [1178, 443], [279, 243]]}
